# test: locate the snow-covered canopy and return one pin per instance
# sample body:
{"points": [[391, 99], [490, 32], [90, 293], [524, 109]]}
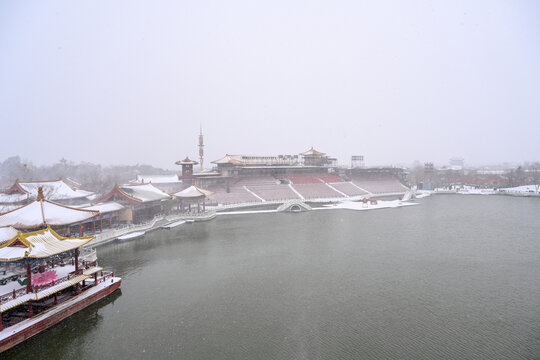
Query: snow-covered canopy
{"points": [[38, 244], [7, 233], [44, 212], [192, 192], [52, 190], [136, 193], [103, 208]]}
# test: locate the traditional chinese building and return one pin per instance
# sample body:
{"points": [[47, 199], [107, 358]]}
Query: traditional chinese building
{"points": [[41, 213], [313, 157], [109, 216], [55, 190], [141, 202], [187, 171], [166, 183], [192, 195], [47, 282]]}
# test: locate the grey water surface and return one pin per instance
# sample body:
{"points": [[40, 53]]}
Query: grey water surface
{"points": [[455, 277]]}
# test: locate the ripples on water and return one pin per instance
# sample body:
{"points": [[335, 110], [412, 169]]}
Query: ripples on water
{"points": [[455, 277]]}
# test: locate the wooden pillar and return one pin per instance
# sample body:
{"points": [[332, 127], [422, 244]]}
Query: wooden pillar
{"points": [[81, 227], [95, 278], [110, 222], [30, 310], [55, 298], [29, 276], [198, 207], [76, 260], [94, 226], [204, 205], [101, 225], [1, 326]]}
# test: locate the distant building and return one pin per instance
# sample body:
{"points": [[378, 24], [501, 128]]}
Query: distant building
{"points": [[187, 170], [232, 165], [357, 161], [457, 163], [141, 202], [168, 183], [313, 157], [53, 190]]}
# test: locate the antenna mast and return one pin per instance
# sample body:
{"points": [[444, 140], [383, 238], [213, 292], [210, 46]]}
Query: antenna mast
{"points": [[201, 149]]}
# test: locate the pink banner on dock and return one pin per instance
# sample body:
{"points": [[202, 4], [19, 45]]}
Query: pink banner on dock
{"points": [[44, 278]]}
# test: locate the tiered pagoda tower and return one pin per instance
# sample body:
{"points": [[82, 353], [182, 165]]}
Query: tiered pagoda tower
{"points": [[187, 171]]}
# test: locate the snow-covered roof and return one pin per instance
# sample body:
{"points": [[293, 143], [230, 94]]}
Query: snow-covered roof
{"points": [[312, 152], [103, 207], [136, 193], [13, 198], [157, 179], [7, 233], [72, 183], [186, 161], [229, 159], [8, 207], [39, 244], [44, 212], [145, 192], [193, 192], [52, 190]]}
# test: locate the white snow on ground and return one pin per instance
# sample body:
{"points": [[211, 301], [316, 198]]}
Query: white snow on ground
{"points": [[246, 212], [132, 235], [422, 194], [523, 189], [472, 191], [360, 206], [465, 190], [346, 205]]}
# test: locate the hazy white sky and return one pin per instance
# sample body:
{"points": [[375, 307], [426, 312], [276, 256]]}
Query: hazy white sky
{"points": [[131, 81]]}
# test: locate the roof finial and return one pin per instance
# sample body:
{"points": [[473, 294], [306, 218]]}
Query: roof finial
{"points": [[40, 196]]}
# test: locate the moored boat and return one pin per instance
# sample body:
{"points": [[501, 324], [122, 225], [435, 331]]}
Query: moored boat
{"points": [[51, 282], [132, 235], [173, 224]]}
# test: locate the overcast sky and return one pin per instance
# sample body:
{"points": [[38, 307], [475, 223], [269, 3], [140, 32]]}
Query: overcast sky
{"points": [[126, 82]]}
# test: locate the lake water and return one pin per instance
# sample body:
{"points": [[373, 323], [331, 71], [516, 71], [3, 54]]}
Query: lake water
{"points": [[456, 277]]}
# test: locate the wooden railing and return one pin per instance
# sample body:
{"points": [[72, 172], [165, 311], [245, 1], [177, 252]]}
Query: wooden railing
{"points": [[15, 293], [105, 275], [12, 295]]}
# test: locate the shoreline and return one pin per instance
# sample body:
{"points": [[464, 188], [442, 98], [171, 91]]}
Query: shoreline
{"points": [[326, 204]]}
